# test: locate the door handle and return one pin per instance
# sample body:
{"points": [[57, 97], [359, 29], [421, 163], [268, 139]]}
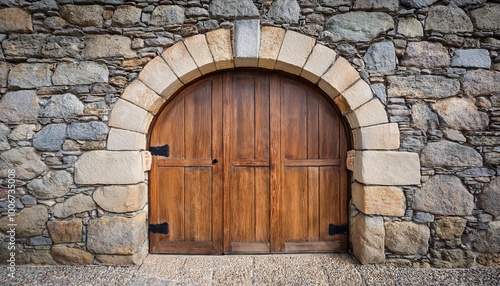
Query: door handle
{"points": [[215, 161]]}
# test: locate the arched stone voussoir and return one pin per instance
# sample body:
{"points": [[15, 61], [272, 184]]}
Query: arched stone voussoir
{"points": [[180, 61], [141, 95], [370, 113], [354, 96], [271, 39], [128, 116], [158, 76], [294, 52], [376, 137], [318, 63], [199, 50], [220, 44], [338, 78]]}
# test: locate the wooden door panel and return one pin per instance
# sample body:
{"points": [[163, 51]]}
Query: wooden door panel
{"points": [[198, 204], [295, 204]]}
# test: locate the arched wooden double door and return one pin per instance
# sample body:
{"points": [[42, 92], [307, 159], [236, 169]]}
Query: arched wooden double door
{"points": [[256, 164]]}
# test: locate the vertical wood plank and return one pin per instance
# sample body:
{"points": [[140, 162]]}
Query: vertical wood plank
{"points": [[171, 206], [217, 168], [329, 133], [328, 177], [312, 126], [243, 111], [262, 204], [243, 205], [294, 121], [295, 206], [198, 204], [262, 114], [198, 123], [276, 234], [227, 113], [313, 188]]}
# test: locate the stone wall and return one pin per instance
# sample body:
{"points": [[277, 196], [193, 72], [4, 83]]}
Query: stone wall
{"points": [[64, 64]]}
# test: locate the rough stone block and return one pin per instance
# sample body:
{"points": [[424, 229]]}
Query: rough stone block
{"points": [[407, 238], [116, 235], [126, 16], [377, 137], [381, 57], [25, 161], [378, 200], [74, 205], [65, 231], [387, 168], [444, 195], [318, 63], [410, 27], [93, 131], [104, 46], [62, 105], [489, 199], [4, 73], [448, 228], [52, 185], [422, 86], [181, 62], [246, 43], [142, 96], [294, 52], [358, 26], [488, 241], [230, 9], [355, 96], [83, 15], [109, 167], [449, 154], [50, 138], [340, 76], [80, 73], [128, 116], [461, 114], [69, 255], [15, 20], [219, 42], [167, 15], [24, 45], [19, 106], [30, 76], [135, 259], [270, 45], [367, 238], [160, 78], [481, 82], [285, 11], [448, 20], [370, 113], [30, 221], [199, 50], [486, 17], [122, 199], [427, 55], [474, 58], [125, 140]]}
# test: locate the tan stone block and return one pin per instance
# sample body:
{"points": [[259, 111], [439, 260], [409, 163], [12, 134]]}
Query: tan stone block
{"points": [[181, 62], [121, 199], [378, 200], [377, 137], [74, 205], [125, 140], [15, 20], [271, 39], [354, 96], [294, 52], [109, 167], [318, 63], [340, 76], [142, 96], [407, 238], [450, 227], [135, 259], [128, 116], [367, 238], [147, 160], [68, 255], [199, 50], [370, 113], [387, 168], [219, 42], [65, 231], [160, 78]]}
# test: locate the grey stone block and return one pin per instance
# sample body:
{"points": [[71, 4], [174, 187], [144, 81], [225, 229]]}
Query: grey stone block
{"points": [[247, 42]]}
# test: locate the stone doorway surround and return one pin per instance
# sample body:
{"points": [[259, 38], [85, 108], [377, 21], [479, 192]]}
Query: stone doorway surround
{"points": [[379, 169]]}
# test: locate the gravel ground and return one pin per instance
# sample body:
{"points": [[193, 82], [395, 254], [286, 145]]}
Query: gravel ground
{"points": [[310, 269]]}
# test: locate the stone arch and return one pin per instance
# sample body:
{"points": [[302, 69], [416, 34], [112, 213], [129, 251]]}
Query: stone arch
{"points": [[379, 169]]}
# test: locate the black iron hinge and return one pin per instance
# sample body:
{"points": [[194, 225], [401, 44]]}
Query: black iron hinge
{"points": [[159, 228], [160, 150], [338, 229]]}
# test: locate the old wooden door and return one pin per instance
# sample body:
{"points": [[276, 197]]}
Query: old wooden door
{"points": [[255, 164]]}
